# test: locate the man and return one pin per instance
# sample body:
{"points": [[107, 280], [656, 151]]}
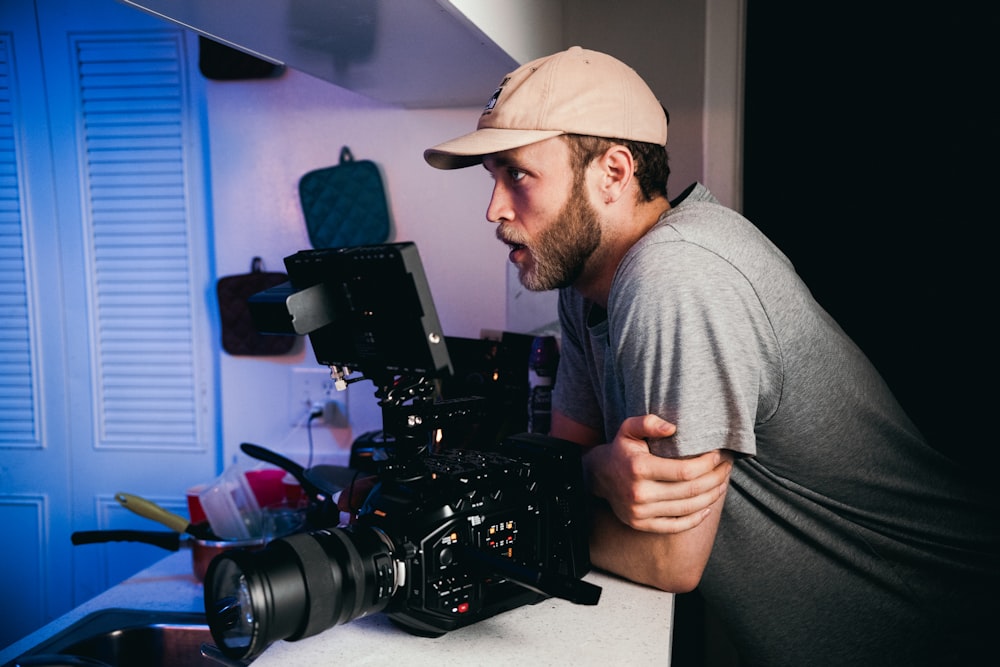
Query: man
{"points": [[737, 440]]}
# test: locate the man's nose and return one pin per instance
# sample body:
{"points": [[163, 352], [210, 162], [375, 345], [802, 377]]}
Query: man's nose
{"points": [[499, 209]]}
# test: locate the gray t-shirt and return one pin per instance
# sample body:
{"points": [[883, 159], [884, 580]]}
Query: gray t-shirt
{"points": [[845, 538]]}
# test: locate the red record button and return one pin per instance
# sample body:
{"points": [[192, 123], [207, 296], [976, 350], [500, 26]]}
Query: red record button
{"points": [[462, 608]]}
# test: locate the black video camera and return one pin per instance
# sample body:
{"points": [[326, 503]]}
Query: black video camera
{"points": [[443, 541]]}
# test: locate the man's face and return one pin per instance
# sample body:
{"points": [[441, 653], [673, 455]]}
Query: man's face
{"points": [[544, 213]]}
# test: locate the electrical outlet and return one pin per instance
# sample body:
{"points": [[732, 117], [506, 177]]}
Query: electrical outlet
{"points": [[309, 389]]}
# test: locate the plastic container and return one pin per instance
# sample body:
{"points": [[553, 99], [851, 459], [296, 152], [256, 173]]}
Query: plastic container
{"points": [[230, 506]]}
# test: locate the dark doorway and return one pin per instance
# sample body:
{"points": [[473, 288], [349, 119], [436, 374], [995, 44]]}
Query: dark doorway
{"points": [[871, 138]]}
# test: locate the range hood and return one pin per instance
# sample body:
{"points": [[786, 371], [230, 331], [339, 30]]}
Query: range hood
{"points": [[414, 53]]}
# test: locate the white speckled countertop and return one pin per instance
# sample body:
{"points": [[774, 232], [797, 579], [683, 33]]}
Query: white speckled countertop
{"points": [[631, 624]]}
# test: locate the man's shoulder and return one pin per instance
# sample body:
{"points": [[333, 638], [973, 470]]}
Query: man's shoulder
{"points": [[692, 194], [699, 235], [698, 218], [697, 203]]}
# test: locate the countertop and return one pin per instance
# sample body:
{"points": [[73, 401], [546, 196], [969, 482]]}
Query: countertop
{"points": [[630, 624]]}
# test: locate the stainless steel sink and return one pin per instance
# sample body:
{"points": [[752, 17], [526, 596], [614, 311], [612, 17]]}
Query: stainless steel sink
{"points": [[128, 638]]}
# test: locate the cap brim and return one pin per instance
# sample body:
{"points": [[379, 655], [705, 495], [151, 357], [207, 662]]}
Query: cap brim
{"points": [[468, 150]]}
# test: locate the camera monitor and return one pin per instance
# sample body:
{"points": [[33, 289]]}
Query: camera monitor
{"points": [[364, 308]]}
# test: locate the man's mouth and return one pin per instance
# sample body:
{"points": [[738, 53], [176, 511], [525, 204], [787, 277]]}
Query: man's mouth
{"points": [[516, 248]]}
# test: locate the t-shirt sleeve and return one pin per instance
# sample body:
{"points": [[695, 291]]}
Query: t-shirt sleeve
{"points": [[691, 344]]}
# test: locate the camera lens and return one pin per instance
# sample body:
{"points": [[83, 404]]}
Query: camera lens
{"points": [[296, 587]]}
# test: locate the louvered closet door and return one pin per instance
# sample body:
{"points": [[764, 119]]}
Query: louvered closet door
{"points": [[35, 570], [121, 390]]}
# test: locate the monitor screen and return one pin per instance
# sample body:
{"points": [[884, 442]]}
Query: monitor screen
{"points": [[367, 308]]}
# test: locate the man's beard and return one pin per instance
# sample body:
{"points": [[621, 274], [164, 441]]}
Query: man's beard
{"points": [[560, 251]]}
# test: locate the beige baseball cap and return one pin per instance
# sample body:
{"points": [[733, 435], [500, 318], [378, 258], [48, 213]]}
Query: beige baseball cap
{"points": [[576, 91]]}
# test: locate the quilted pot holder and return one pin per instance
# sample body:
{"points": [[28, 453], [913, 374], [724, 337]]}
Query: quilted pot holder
{"points": [[345, 205], [239, 335]]}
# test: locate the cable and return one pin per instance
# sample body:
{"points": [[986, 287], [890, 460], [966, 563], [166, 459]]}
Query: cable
{"points": [[303, 421], [309, 433]]}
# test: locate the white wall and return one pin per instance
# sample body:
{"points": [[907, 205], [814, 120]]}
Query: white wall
{"points": [[665, 43]]}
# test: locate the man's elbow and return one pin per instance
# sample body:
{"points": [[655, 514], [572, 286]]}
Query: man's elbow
{"points": [[659, 570], [673, 579], [670, 562]]}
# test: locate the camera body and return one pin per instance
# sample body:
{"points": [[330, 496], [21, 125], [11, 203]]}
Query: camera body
{"points": [[479, 532], [443, 540]]}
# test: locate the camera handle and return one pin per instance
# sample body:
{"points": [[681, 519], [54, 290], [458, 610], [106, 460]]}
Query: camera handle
{"points": [[546, 582]]}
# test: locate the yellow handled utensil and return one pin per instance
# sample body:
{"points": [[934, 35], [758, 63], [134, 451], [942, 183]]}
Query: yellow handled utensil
{"points": [[175, 522]]}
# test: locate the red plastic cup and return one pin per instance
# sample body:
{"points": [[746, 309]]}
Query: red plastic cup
{"points": [[267, 486], [195, 512], [293, 491]]}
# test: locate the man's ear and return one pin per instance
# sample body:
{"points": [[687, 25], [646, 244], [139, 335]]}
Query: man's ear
{"points": [[617, 168]]}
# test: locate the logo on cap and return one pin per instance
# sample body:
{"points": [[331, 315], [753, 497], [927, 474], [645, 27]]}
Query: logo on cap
{"points": [[496, 95]]}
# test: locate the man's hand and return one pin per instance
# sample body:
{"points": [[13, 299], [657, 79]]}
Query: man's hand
{"points": [[650, 493]]}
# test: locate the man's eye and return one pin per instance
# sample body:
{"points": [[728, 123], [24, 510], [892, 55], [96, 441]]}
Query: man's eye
{"points": [[515, 174]]}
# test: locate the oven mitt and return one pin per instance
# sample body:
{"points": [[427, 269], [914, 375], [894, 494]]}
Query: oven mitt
{"points": [[345, 205], [239, 335]]}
